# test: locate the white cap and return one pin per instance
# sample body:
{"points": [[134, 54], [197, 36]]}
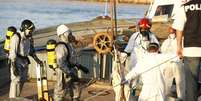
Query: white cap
{"points": [[61, 29]]}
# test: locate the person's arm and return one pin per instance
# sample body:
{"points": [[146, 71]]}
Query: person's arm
{"points": [[14, 46], [179, 43], [139, 67], [33, 53], [61, 55], [131, 43], [132, 74], [178, 24]]}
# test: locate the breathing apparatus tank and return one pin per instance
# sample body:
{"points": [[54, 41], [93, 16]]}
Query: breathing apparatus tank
{"points": [[51, 54], [10, 32]]}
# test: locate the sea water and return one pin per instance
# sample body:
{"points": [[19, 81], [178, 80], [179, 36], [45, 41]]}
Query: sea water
{"points": [[45, 13]]}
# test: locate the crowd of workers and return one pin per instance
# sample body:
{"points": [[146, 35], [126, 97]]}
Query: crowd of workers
{"points": [[20, 45], [169, 72], [156, 69]]}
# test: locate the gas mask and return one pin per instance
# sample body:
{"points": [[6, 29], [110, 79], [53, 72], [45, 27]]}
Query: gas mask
{"points": [[71, 38], [64, 37], [144, 32], [28, 33]]}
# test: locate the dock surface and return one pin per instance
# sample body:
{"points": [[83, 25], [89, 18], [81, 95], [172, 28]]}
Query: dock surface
{"points": [[29, 92]]}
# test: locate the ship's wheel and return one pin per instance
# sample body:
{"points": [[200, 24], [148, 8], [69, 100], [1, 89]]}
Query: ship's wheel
{"points": [[102, 42]]}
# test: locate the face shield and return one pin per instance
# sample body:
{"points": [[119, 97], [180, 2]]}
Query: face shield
{"points": [[28, 32], [64, 37]]}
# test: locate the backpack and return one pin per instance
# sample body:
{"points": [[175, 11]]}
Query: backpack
{"points": [[70, 59], [51, 54]]}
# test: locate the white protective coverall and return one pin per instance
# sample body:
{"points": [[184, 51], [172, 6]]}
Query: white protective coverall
{"points": [[169, 45], [153, 88], [137, 46], [19, 55], [65, 83], [122, 92], [174, 69]]}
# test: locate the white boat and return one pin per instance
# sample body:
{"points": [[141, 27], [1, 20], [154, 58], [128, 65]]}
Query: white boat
{"points": [[162, 10]]}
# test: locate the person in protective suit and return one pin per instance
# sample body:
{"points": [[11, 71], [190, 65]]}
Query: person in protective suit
{"points": [[67, 78], [138, 42], [174, 73], [21, 46], [118, 70], [169, 45], [10, 32], [150, 69], [137, 45]]}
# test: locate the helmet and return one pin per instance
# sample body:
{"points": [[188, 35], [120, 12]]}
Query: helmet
{"points": [[27, 24], [12, 29], [144, 23], [61, 29]]}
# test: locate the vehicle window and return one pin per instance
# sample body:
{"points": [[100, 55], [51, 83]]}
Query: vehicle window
{"points": [[164, 10]]}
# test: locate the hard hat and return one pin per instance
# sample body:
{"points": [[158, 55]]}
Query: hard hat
{"points": [[61, 29], [27, 24], [144, 23]]}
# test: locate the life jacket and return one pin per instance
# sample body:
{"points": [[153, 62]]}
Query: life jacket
{"points": [[9, 35], [51, 53]]}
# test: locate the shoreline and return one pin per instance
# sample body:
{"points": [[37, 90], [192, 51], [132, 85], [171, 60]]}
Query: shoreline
{"points": [[146, 2]]}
